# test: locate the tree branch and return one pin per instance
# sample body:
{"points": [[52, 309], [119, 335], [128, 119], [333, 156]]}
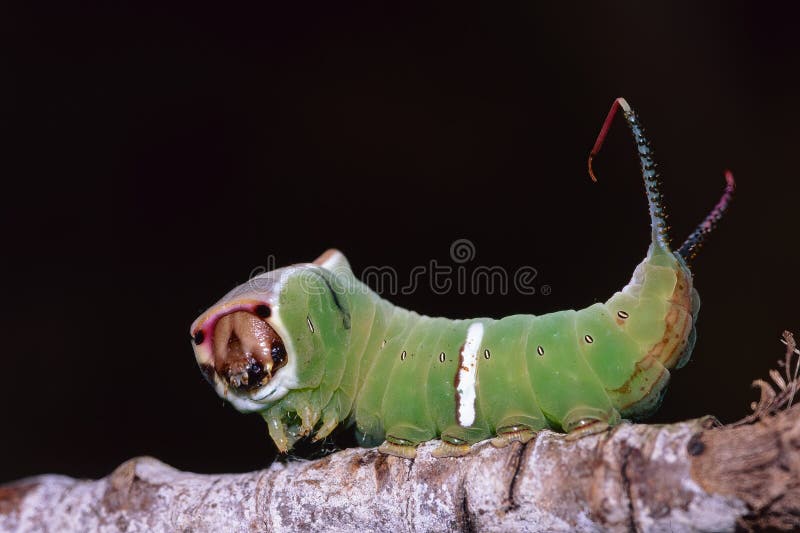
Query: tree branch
{"points": [[680, 477]]}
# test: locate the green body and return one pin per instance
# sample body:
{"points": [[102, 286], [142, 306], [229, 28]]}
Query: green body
{"points": [[352, 357], [380, 366]]}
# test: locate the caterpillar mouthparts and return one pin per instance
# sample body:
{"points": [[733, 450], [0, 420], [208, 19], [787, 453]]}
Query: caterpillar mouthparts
{"points": [[243, 349]]}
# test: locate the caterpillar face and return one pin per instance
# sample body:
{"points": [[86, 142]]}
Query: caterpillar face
{"points": [[240, 348], [243, 349]]}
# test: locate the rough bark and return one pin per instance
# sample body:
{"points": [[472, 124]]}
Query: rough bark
{"points": [[682, 477]]}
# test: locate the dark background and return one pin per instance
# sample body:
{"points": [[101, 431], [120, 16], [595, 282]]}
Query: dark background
{"points": [[159, 155]]}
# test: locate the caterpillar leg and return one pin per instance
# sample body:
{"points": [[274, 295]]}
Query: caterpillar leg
{"points": [[308, 418], [330, 419], [457, 440], [517, 428], [588, 427], [584, 421], [286, 428], [448, 449], [398, 448], [402, 440], [277, 431], [508, 434]]}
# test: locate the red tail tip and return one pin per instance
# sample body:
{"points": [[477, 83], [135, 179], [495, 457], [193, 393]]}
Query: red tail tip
{"points": [[729, 179]]}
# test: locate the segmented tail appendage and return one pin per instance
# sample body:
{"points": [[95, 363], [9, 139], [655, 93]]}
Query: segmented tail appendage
{"points": [[694, 242], [652, 181]]}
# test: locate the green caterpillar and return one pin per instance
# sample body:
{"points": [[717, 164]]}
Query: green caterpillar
{"points": [[309, 347]]}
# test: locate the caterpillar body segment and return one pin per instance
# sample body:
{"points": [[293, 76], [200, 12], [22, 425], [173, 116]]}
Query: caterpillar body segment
{"points": [[310, 347]]}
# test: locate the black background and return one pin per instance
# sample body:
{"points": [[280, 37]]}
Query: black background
{"points": [[160, 154]]}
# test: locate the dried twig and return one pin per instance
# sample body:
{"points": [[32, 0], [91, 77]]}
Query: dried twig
{"points": [[772, 401]]}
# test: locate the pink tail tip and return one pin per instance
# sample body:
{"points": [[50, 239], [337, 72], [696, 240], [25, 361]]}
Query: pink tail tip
{"points": [[729, 179]]}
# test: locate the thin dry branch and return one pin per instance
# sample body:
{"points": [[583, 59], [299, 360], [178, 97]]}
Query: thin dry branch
{"points": [[689, 476], [771, 400], [682, 477]]}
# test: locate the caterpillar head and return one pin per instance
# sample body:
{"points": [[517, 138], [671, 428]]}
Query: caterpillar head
{"points": [[256, 344]]}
